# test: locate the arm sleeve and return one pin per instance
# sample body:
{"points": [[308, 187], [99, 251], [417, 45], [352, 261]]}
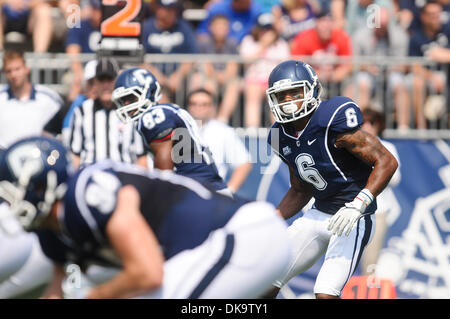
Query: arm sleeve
{"points": [[346, 118], [54, 125], [90, 203], [75, 139], [76, 103], [73, 36]]}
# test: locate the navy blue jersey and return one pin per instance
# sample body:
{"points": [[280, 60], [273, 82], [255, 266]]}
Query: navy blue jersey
{"points": [[87, 36], [337, 176], [179, 39], [420, 42], [180, 211], [190, 157]]}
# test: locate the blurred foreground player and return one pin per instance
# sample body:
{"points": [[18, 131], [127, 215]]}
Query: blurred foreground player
{"points": [[169, 235], [24, 268], [168, 130], [333, 161]]}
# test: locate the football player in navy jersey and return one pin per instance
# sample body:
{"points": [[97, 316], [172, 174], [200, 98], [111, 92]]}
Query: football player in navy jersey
{"points": [[333, 161], [167, 235], [168, 130]]}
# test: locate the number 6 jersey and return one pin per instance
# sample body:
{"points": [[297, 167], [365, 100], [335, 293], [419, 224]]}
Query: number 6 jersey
{"points": [[190, 157], [337, 175]]}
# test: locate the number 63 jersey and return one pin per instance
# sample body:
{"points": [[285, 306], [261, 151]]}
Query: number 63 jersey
{"points": [[337, 175]]}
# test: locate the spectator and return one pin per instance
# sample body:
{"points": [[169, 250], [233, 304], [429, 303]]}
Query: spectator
{"points": [[88, 92], [27, 17], [433, 41], [363, 13], [321, 43], [169, 33], [213, 76], [243, 15], [96, 133], [66, 6], [83, 39], [27, 109], [226, 147], [293, 17], [409, 13], [265, 48], [386, 201], [389, 40]]}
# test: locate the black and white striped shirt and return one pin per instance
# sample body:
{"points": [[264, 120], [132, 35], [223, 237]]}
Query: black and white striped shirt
{"points": [[97, 133]]}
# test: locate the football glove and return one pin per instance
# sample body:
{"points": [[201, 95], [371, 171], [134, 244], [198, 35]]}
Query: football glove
{"points": [[346, 217]]}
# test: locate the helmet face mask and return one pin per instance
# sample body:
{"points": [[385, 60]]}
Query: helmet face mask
{"points": [[33, 175], [135, 91], [130, 103], [298, 82]]}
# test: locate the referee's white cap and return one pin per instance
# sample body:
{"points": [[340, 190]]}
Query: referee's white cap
{"points": [[89, 70]]}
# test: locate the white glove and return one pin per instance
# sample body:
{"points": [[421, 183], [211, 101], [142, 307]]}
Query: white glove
{"points": [[346, 217]]}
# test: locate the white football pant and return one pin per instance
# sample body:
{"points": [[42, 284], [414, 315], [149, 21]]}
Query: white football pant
{"points": [[23, 265], [311, 239], [240, 260]]}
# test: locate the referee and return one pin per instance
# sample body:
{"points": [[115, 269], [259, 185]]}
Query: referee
{"points": [[96, 133]]}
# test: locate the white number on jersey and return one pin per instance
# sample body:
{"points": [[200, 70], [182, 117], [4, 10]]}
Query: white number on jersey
{"points": [[150, 119], [101, 193], [352, 119], [308, 173]]}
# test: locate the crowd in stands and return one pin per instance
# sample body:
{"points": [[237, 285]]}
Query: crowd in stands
{"points": [[265, 32]]}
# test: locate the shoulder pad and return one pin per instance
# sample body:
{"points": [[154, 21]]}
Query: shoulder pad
{"points": [[339, 113]]}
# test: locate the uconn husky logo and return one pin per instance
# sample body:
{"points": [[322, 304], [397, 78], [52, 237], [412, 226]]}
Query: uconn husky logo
{"points": [[419, 260], [141, 77], [25, 160]]}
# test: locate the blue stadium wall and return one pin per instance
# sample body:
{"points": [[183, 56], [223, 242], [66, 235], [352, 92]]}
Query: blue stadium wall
{"points": [[416, 254]]}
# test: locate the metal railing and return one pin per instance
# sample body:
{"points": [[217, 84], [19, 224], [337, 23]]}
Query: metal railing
{"points": [[53, 70]]}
